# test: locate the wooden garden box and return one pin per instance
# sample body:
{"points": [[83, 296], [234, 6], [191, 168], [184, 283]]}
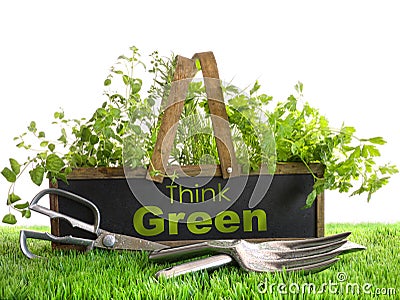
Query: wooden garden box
{"points": [[109, 190], [120, 193]]}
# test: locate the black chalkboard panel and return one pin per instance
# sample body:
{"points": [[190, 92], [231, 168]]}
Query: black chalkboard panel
{"points": [[157, 212]]}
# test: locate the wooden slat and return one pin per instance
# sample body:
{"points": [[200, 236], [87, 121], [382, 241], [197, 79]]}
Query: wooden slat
{"points": [[219, 117], [299, 168], [207, 170], [320, 206], [185, 68], [55, 223]]}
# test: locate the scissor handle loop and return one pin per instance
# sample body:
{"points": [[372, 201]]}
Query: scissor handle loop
{"points": [[53, 214], [25, 234]]}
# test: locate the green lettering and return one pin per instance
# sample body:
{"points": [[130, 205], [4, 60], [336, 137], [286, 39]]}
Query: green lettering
{"points": [[181, 192], [248, 216], [221, 193], [203, 192], [156, 223], [227, 221], [197, 192], [199, 226], [171, 192], [173, 222]]}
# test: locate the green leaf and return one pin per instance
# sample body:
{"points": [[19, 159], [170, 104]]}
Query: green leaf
{"points": [[108, 146], [67, 170], [348, 132], [44, 144], [94, 139], [63, 139], [135, 88], [92, 161], [108, 132], [119, 72], [377, 140], [42, 134], [107, 82], [299, 87], [12, 198], [59, 115], [32, 127], [125, 78], [54, 163], [22, 206], [255, 88], [370, 150], [9, 219], [76, 160], [356, 153], [62, 177], [20, 145], [15, 166], [310, 199], [115, 112], [26, 213], [9, 174], [85, 134], [51, 147], [37, 175], [136, 129]]}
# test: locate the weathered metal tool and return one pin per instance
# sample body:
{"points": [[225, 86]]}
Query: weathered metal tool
{"points": [[310, 255], [105, 239]]}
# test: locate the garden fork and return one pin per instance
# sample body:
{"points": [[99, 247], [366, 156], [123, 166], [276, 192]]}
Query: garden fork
{"points": [[309, 255]]}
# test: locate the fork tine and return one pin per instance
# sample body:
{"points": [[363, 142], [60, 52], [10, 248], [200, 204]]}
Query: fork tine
{"points": [[294, 263], [297, 244], [310, 251], [314, 268], [252, 262], [304, 261], [351, 247]]}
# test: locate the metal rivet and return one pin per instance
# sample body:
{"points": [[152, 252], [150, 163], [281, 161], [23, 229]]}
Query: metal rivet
{"points": [[109, 240], [229, 170]]}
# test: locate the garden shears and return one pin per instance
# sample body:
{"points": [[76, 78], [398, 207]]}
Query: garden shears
{"points": [[105, 239]]}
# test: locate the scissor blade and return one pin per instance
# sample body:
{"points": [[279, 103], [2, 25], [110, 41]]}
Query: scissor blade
{"points": [[114, 241]]}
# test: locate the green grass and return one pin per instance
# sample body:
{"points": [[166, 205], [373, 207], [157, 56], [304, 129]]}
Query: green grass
{"points": [[127, 275]]}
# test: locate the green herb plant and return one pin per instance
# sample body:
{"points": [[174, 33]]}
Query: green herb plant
{"points": [[303, 134], [123, 131]]}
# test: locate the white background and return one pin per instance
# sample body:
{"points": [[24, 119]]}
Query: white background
{"points": [[57, 54]]}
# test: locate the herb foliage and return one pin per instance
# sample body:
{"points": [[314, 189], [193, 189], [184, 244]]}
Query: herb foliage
{"points": [[123, 131]]}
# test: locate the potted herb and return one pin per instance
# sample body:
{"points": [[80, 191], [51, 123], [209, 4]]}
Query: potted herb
{"points": [[123, 130]]}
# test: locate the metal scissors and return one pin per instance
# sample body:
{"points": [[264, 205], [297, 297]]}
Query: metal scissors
{"points": [[105, 239]]}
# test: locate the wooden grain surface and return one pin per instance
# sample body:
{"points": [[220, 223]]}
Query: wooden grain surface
{"points": [[185, 69], [207, 170], [219, 116]]}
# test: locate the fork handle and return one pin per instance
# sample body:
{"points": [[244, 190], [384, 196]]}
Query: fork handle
{"points": [[181, 252], [208, 263]]}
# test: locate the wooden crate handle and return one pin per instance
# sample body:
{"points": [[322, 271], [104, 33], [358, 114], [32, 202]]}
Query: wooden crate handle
{"points": [[185, 69], [184, 73], [219, 117]]}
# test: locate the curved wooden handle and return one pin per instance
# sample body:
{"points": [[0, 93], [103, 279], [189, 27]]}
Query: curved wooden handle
{"points": [[185, 71], [219, 117]]}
